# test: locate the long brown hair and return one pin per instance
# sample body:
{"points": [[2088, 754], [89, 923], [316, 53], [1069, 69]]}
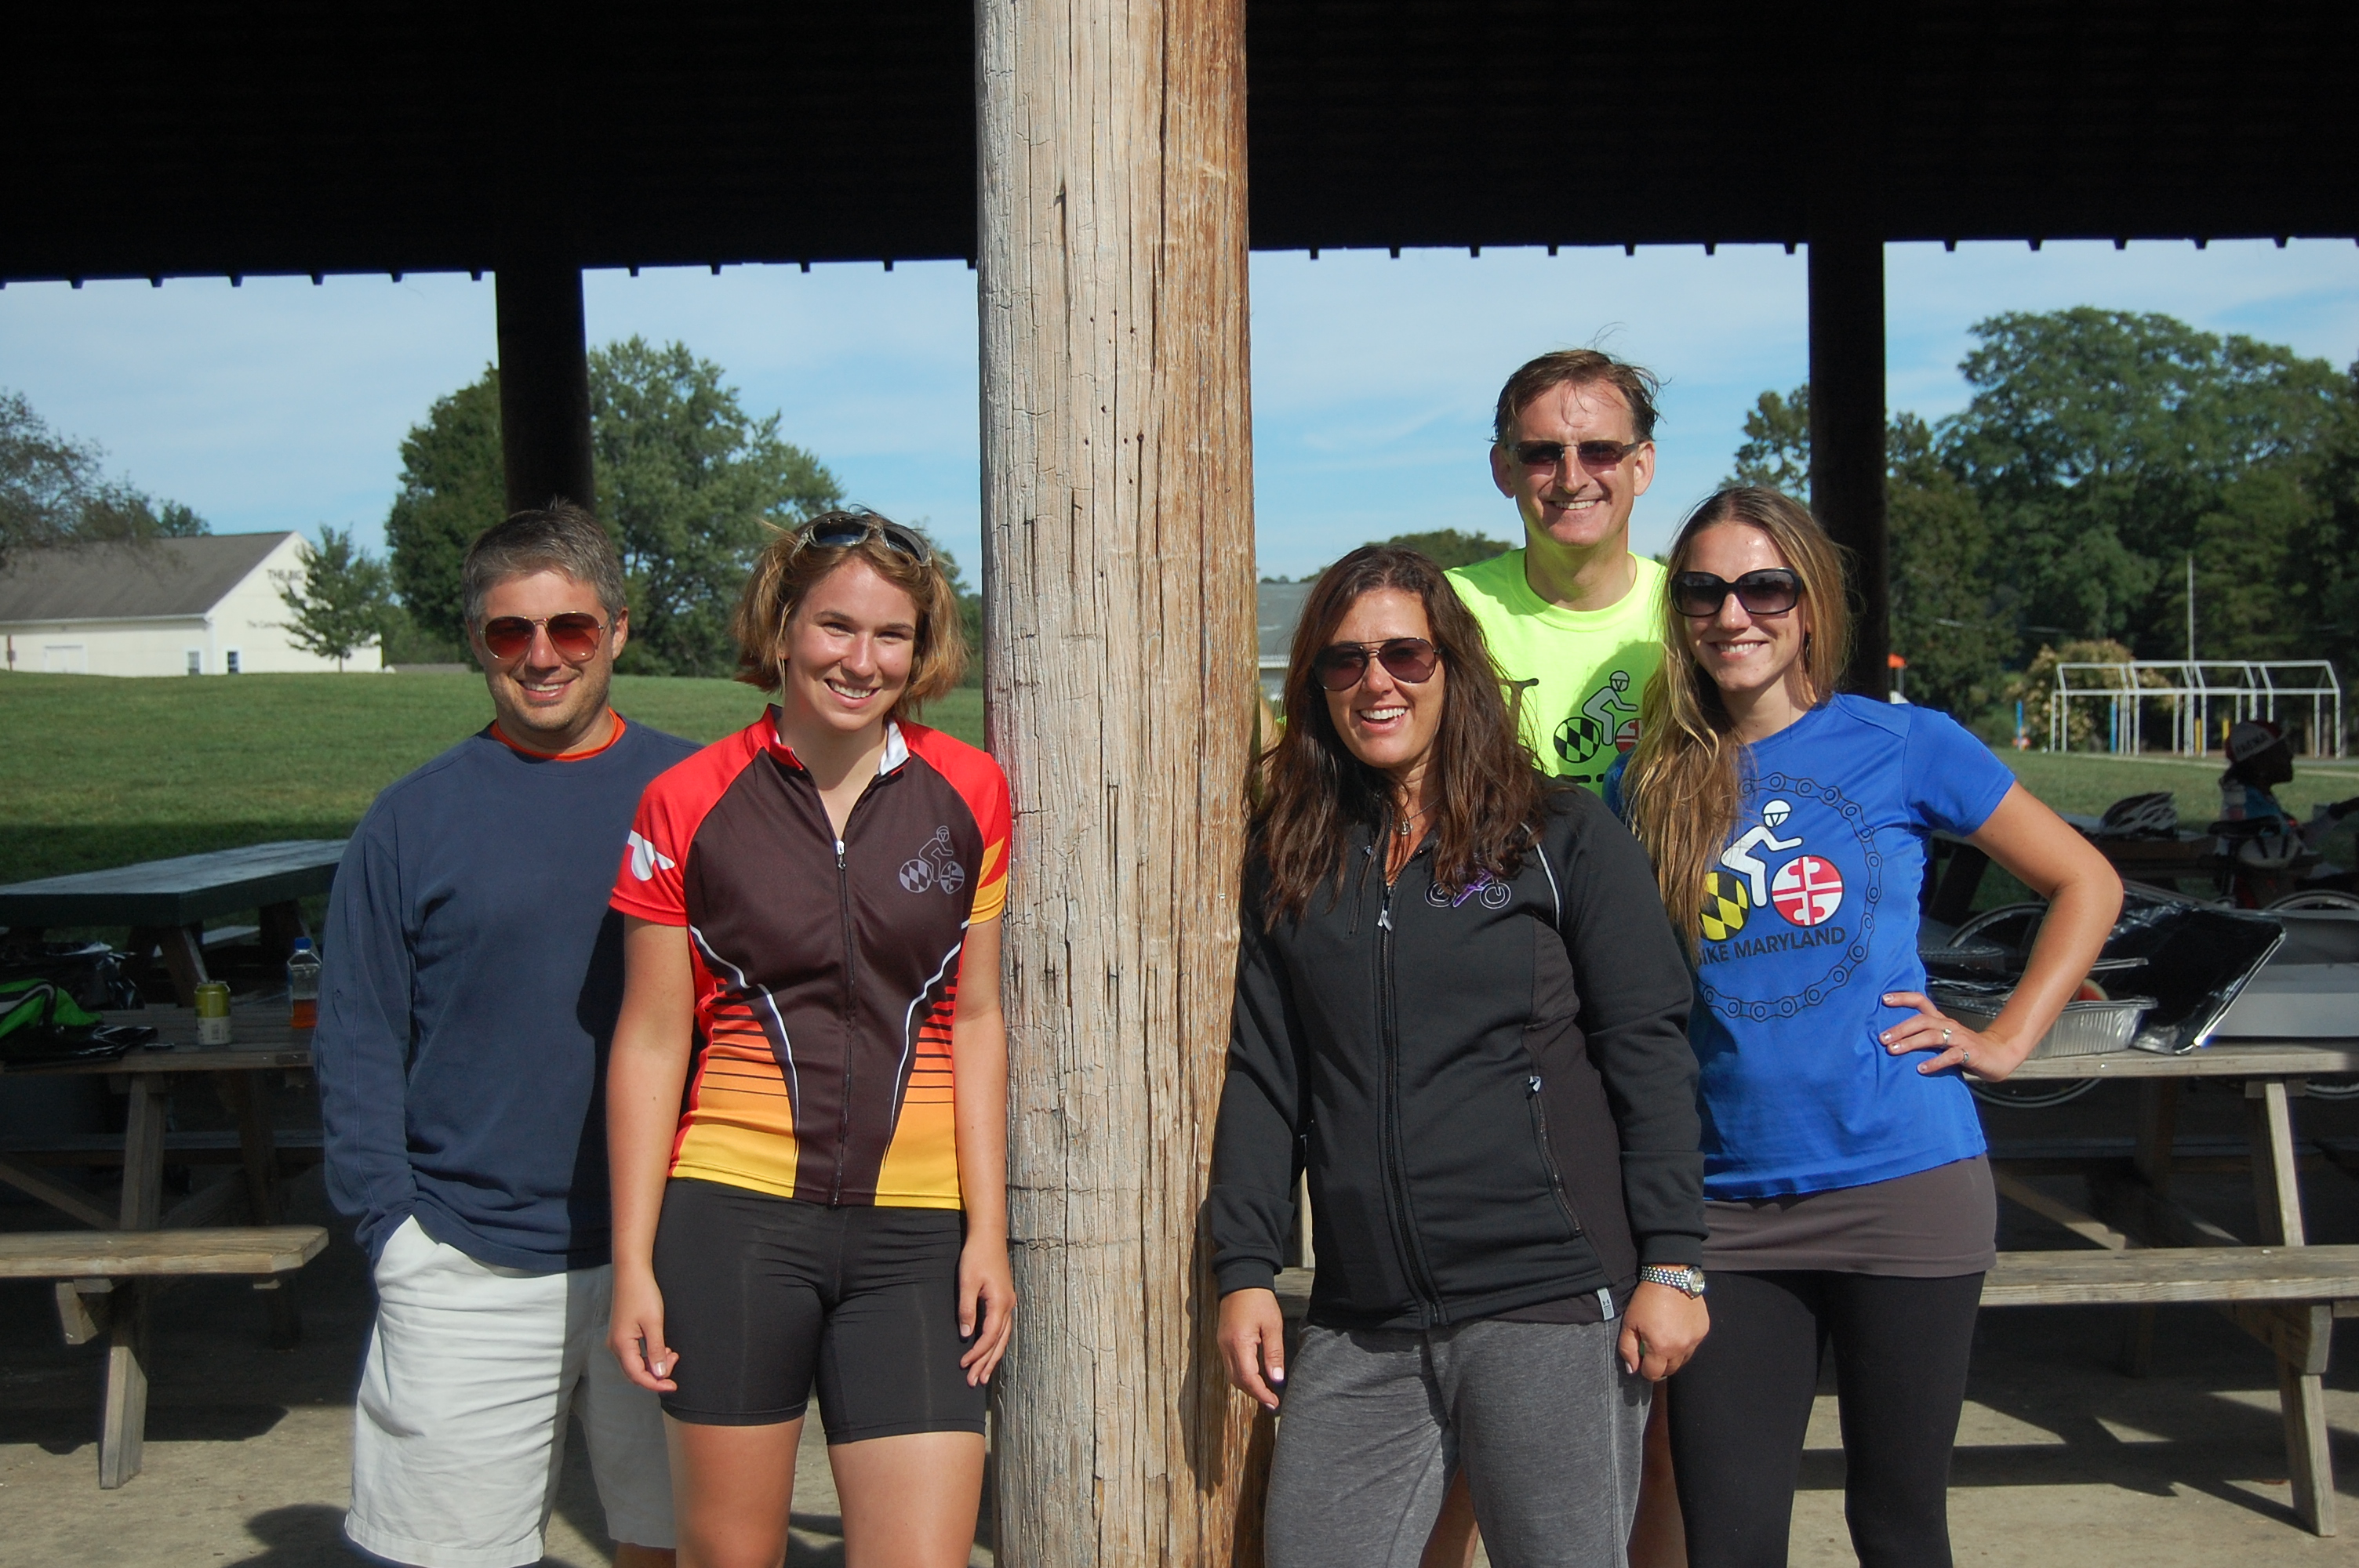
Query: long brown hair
{"points": [[1683, 782], [791, 565], [1492, 801]]}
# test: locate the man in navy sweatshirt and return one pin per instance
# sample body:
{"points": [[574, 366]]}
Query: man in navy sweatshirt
{"points": [[471, 978]]}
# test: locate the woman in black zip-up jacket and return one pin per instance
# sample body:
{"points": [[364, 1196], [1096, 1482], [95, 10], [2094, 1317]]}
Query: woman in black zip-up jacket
{"points": [[1460, 1007]]}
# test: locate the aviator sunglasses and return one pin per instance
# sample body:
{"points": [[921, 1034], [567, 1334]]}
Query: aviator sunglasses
{"points": [[1340, 666], [575, 635], [1595, 456], [1773, 591], [841, 530]]}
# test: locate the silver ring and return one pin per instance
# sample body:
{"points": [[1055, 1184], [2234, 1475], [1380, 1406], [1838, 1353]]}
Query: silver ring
{"points": [[1965, 1058], [1945, 1037]]}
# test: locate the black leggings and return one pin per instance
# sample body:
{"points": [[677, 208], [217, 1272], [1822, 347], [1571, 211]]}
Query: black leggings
{"points": [[1740, 1406]]}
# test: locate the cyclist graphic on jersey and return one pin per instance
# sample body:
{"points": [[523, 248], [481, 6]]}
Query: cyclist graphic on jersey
{"points": [[1739, 857], [1583, 735]]}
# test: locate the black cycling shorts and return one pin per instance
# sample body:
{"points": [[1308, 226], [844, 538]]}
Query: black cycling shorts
{"points": [[763, 1295]]}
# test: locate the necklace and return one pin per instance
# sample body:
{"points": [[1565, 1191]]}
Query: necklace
{"points": [[1408, 823]]}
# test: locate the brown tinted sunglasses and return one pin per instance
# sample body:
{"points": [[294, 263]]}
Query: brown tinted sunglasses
{"points": [[1340, 666], [576, 636]]}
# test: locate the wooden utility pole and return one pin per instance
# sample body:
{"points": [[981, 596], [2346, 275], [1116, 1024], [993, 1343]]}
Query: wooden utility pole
{"points": [[1118, 604]]}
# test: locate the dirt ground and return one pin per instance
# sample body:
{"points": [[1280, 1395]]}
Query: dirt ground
{"points": [[2060, 1457]]}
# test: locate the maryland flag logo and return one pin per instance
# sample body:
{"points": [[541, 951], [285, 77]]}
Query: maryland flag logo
{"points": [[1725, 904]]}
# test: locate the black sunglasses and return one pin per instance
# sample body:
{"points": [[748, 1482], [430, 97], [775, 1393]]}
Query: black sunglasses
{"points": [[1773, 591], [1340, 666], [1594, 455], [839, 531]]}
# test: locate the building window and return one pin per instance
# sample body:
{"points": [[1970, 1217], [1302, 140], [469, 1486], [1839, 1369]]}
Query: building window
{"points": [[196, 661], [229, 661]]}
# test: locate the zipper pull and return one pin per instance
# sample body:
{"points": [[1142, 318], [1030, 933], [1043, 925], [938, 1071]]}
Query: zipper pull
{"points": [[1535, 1083], [839, 854]]}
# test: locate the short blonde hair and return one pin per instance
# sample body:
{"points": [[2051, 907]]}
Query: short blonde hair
{"points": [[792, 565]]}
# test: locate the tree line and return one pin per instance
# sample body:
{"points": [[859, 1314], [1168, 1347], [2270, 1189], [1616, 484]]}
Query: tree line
{"points": [[2100, 450], [55, 489]]}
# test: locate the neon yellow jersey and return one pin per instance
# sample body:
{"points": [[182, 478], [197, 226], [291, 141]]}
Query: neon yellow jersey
{"points": [[1581, 670]]}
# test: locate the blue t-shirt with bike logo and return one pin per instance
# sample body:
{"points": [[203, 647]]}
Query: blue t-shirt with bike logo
{"points": [[1808, 918]]}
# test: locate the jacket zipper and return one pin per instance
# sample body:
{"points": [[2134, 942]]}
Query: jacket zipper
{"points": [[1548, 1156], [851, 989], [1412, 1255], [850, 1027]]}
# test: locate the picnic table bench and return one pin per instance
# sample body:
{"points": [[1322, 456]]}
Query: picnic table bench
{"points": [[99, 1292], [110, 1273], [167, 903]]}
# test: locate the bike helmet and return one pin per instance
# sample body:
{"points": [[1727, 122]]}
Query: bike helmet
{"points": [[2151, 816]]}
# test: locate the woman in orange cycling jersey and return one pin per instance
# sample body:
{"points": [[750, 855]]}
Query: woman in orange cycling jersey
{"points": [[807, 1097]]}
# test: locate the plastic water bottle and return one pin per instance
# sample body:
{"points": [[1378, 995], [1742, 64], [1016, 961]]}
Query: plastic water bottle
{"points": [[303, 985]]}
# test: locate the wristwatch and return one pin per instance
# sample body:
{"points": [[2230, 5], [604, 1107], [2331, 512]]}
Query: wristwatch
{"points": [[1686, 1277]]}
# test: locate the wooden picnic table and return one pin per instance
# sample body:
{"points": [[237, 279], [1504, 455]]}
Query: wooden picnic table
{"points": [[167, 903], [2276, 1288], [175, 1241]]}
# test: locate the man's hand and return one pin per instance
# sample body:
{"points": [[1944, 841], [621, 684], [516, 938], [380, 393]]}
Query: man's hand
{"points": [[1660, 1330], [635, 1334], [1253, 1342], [986, 1303]]}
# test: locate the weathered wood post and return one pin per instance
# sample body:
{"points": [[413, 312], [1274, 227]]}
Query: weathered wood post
{"points": [[1118, 584]]}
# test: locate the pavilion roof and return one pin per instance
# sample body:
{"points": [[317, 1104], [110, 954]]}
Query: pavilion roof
{"points": [[156, 137]]}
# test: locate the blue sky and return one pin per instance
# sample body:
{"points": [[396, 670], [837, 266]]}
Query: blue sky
{"points": [[282, 404]]}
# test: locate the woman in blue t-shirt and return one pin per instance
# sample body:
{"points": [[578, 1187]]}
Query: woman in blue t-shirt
{"points": [[1848, 1193]]}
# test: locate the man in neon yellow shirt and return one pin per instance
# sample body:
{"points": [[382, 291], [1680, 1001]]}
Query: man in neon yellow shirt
{"points": [[1573, 618]]}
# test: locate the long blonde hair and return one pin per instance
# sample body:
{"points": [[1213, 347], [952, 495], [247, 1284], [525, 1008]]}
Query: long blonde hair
{"points": [[1684, 779]]}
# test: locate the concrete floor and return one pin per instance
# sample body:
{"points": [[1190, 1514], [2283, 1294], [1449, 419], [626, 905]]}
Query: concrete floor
{"points": [[2061, 1458]]}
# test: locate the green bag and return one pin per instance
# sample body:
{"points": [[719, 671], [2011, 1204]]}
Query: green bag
{"points": [[36, 1003]]}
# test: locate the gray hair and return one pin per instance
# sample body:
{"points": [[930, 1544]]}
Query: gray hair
{"points": [[559, 537]]}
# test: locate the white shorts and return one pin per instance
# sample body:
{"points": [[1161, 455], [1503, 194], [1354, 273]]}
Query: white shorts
{"points": [[459, 1433]]}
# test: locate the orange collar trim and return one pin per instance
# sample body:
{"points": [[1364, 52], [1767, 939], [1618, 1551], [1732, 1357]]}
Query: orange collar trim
{"points": [[502, 737]]}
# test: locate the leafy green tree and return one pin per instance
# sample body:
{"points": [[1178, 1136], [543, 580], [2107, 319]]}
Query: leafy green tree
{"points": [[119, 511], [2098, 442], [54, 491], [453, 486], [1448, 547], [1776, 452], [689, 484], [1943, 595], [342, 599], [43, 478], [693, 487]]}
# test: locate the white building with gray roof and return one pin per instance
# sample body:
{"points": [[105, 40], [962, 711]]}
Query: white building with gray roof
{"points": [[208, 605]]}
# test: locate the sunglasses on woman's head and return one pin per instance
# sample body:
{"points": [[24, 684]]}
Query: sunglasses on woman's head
{"points": [[838, 532], [1770, 591], [1340, 666], [575, 635]]}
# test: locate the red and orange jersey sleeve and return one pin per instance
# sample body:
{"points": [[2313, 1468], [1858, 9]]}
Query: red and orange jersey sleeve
{"points": [[984, 787], [652, 881]]}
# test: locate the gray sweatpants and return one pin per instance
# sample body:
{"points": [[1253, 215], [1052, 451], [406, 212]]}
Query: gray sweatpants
{"points": [[1547, 1423]]}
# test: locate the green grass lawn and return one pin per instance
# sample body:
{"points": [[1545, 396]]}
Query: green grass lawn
{"points": [[97, 771]]}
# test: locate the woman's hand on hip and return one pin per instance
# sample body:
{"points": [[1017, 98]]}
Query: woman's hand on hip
{"points": [[1660, 1329], [635, 1332], [986, 1305], [1953, 1044], [1253, 1342]]}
